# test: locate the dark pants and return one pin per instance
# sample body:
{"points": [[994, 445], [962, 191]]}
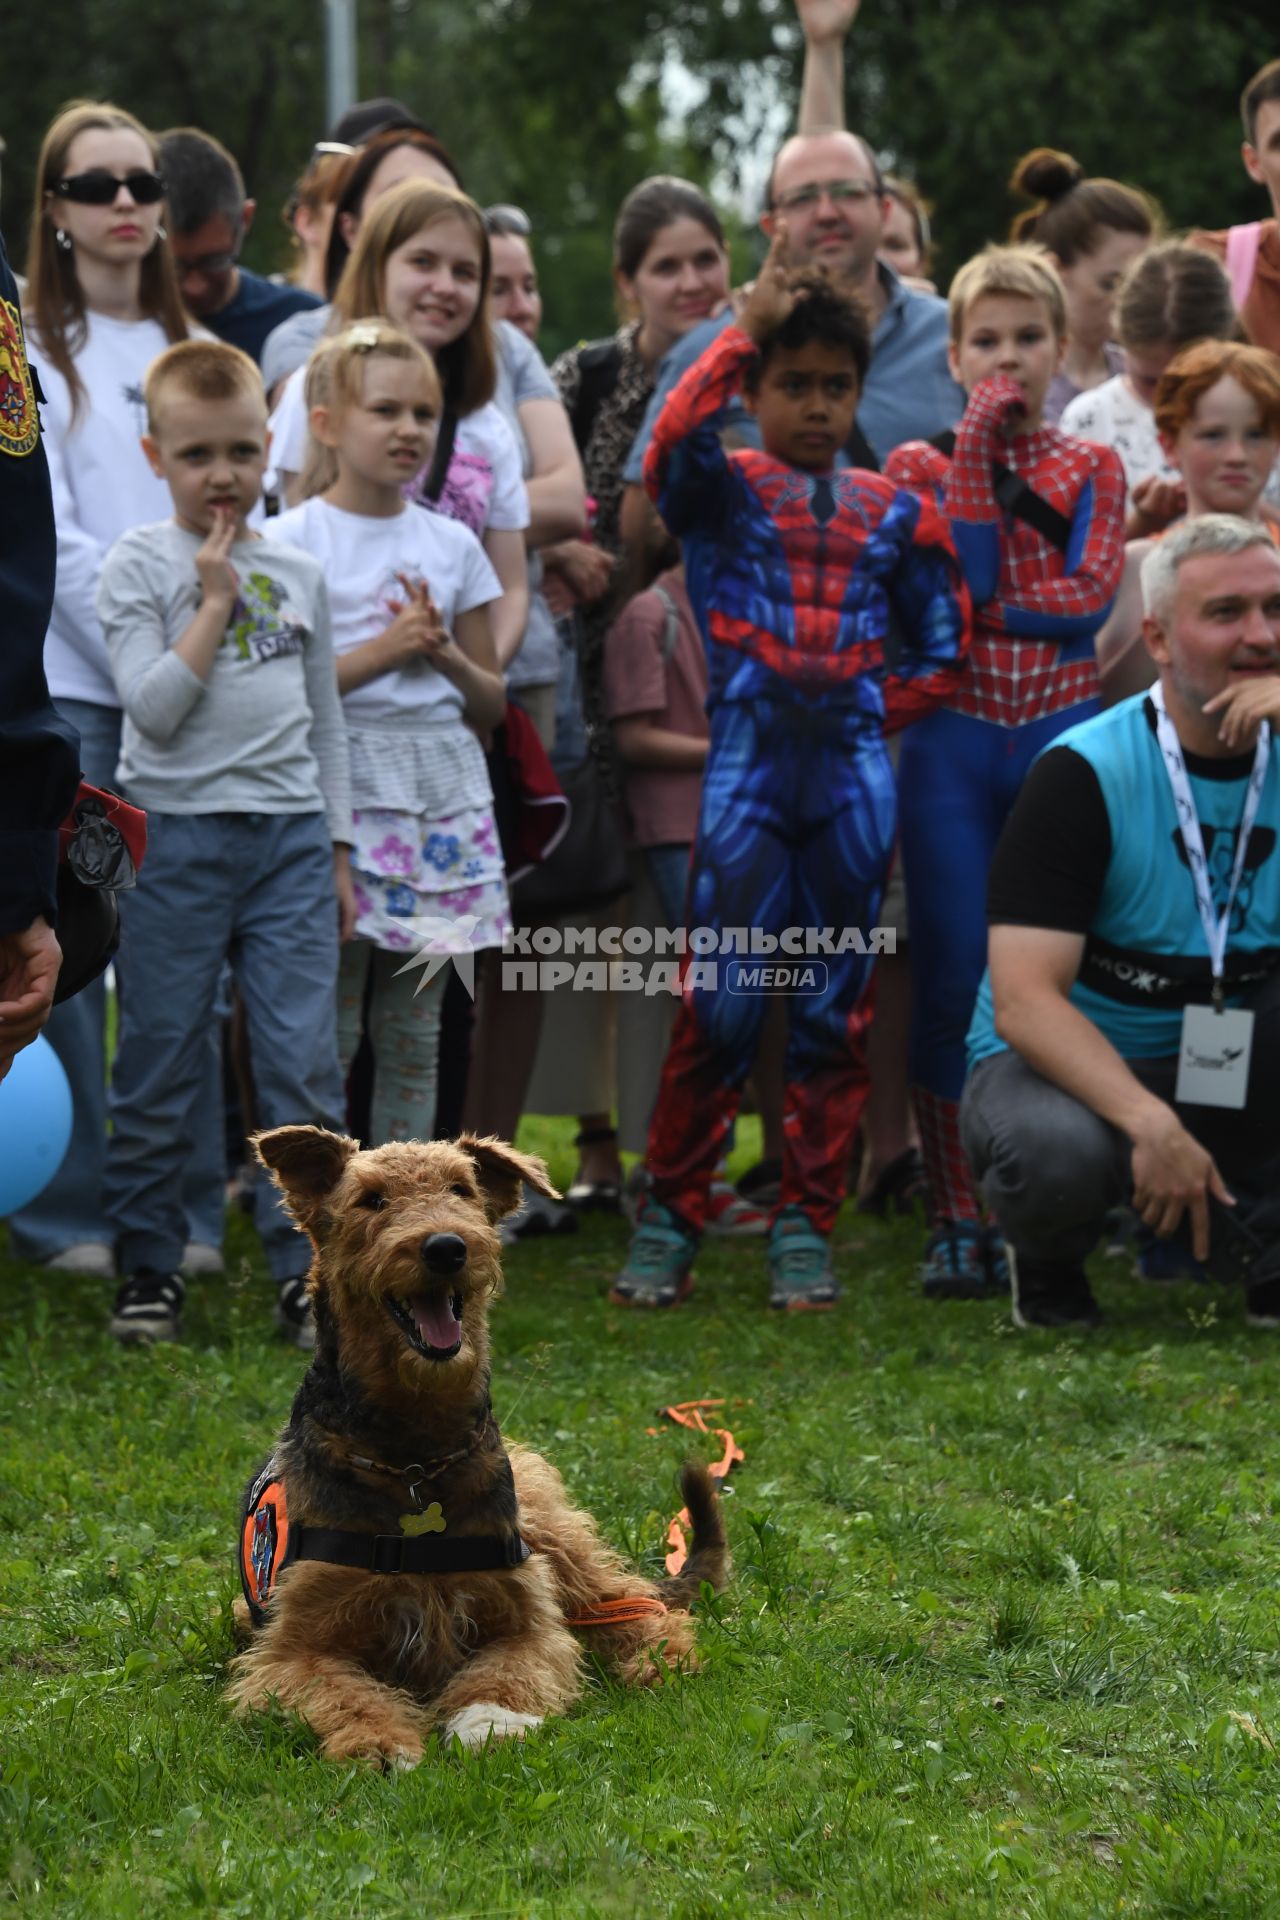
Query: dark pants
{"points": [[1050, 1169]]}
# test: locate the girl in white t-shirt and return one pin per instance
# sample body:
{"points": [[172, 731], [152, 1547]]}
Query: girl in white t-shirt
{"points": [[102, 301], [422, 262], [409, 595], [1171, 296]]}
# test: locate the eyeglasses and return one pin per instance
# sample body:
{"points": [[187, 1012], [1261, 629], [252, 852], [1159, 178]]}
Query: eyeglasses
{"points": [[504, 219], [209, 265], [98, 188], [835, 190]]}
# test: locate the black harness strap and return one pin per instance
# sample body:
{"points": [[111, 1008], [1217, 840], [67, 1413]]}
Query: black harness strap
{"points": [[1017, 498], [396, 1553]]}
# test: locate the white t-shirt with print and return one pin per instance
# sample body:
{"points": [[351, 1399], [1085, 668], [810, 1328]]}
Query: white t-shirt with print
{"points": [[484, 487], [1112, 416], [362, 559]]}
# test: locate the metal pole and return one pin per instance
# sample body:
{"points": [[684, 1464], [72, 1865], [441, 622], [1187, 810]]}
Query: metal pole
{"points": [[340, 56]]}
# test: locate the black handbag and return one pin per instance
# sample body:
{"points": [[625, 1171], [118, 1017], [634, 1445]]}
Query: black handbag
{"points": [[588, 867]]}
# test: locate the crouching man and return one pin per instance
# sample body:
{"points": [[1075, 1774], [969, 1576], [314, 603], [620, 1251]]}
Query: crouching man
{"points": [[1125, 1047]]}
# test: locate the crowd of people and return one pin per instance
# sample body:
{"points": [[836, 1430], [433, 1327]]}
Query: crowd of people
{"points": [[837, 609]]}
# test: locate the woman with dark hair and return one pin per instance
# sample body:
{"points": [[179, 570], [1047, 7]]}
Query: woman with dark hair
{"points": [[1094, 230], [388, 158], [102, 302], [671, 270]]}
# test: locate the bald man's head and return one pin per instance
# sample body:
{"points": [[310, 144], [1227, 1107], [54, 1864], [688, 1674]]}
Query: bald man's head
{"points": [[828, 189]]}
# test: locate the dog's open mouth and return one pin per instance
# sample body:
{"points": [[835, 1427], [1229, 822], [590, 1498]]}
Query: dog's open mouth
{"points": [[430, 1321]]}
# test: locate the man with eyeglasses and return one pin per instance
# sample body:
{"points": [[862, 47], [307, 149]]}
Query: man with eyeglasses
{"points": [[827, 184], [209, 217]]}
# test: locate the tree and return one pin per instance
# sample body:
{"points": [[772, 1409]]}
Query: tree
{"points": [[559, 106]]}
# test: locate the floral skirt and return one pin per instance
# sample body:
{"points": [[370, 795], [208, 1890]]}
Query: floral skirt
{"points": [[426, 863]]}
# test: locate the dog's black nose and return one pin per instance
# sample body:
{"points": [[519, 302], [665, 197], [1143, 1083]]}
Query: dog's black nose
{"points": [[444, 1252]]}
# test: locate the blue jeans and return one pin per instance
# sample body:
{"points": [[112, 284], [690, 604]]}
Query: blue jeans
{"points": [[70, 1211], [257, 889], [669, 870]]}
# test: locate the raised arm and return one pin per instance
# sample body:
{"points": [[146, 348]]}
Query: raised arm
{"points": [[1071, 607], [825, 24], [686, 470]]}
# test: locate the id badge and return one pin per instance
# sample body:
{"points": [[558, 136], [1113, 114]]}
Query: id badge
{"points": [[1213, 1058]]}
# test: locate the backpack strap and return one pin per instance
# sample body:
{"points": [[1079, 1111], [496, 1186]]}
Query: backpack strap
{"points": [[599, 367], [433, 485], [1242, 259], [671, 630], [860, 450], [1016, 497]]}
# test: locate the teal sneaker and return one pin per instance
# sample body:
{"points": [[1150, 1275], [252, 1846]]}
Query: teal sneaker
{"points": [[958, 1264], [661, 1254], [800, 1275]]}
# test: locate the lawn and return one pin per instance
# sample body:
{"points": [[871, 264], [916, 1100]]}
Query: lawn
{"points": [[1002, 1637]]}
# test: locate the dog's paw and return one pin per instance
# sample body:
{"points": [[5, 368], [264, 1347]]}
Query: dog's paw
{"points": [[473, 1726]]}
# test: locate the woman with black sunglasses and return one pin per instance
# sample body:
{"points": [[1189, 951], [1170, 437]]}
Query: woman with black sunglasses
{"points": [[102, 302]]}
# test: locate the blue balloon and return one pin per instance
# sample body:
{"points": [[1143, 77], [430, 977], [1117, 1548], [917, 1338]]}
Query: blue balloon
{"points": [[35, 1124]]}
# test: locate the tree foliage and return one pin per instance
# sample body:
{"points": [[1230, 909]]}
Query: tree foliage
{"points": [[559, 105]]}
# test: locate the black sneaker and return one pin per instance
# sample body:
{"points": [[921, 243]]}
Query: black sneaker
{"points": [[293, 1314], [148, 1307], [1046, 1293], [1262, 1304]]}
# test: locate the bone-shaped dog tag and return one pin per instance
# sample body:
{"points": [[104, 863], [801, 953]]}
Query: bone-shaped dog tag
{"points": [[432, 1521]]}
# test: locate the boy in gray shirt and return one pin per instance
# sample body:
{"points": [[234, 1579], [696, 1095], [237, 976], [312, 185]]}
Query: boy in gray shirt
{"points": [[234, 743]]}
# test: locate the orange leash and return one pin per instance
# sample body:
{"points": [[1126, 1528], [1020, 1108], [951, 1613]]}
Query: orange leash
{"points": [[688, 1413], [631, 1608], [622, 1612]]}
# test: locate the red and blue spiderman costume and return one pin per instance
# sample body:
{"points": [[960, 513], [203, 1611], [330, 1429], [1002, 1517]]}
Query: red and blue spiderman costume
{"points": [[792, 576], [1032, 673]]}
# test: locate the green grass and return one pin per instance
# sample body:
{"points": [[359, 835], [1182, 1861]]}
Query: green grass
{"points": [[1002, 1637]]}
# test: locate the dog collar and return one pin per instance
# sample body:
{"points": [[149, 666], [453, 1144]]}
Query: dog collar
{"points": [[418, 1472], [269, 1543]]}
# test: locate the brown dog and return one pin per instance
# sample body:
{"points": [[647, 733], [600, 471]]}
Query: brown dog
{"points": [[402, 1569]]}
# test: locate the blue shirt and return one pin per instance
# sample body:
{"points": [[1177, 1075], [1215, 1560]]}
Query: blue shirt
{"points": [[1145, 957], [259, 306], [908, 394]]}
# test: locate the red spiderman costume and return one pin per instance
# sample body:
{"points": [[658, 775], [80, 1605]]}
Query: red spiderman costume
{"points": [[792, 575], [1032, 673]]}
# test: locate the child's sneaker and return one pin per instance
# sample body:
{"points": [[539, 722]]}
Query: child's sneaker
{"points": [[800, 1275], [1165, 1260], [293, 1314], [955, 1264], [148, 1307], [730, 1216], [658, 1262]]}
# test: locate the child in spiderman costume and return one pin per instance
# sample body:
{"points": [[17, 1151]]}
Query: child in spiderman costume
{"points": [[792, 569], [1038, 523]]}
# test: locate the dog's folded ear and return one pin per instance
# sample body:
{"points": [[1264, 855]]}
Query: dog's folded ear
{"points": [[500, 1170], [306, 1163]]}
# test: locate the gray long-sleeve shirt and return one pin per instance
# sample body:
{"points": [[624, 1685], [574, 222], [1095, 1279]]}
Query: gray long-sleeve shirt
{"points": [[264, 733]]}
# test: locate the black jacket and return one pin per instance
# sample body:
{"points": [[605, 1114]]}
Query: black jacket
{"points": [[39, 751]]}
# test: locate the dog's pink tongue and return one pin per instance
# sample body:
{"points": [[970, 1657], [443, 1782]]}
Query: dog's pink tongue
{"points": [[437, 1323]]}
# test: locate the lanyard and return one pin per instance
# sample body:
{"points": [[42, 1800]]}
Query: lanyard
{"points": [[1215, 928]]}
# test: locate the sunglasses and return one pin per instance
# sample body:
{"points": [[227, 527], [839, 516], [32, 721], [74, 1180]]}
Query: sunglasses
{"points": [[98, 188]]}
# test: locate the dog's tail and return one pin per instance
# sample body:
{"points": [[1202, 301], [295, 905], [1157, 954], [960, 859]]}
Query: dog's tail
{"points": [[709, 1554]]}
